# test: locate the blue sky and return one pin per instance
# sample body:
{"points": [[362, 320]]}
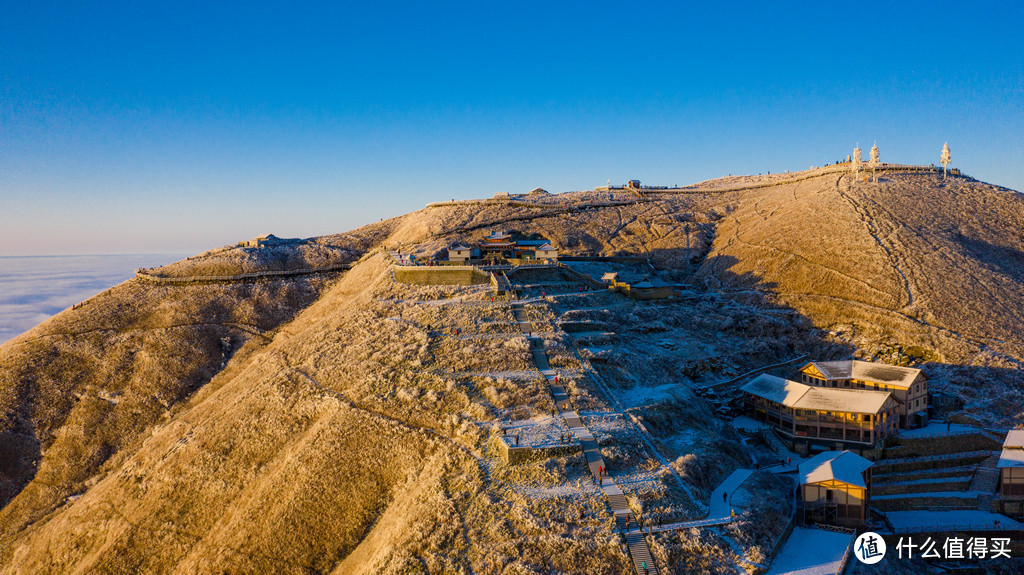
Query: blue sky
{"points": [[176, 127]]}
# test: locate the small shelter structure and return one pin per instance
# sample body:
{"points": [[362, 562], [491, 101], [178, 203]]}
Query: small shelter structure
{"points": [[633, 185], [460, 253], [546, 251], [652, 287], [261, 241], [835, 487]]}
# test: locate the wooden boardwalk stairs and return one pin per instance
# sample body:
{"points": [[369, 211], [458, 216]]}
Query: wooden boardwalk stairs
{"points": [[625, 520]]}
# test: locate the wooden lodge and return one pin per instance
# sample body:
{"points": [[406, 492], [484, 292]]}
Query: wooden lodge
{"points": [[908, 385], [835, 488], [1011, 465], [827, 417]]}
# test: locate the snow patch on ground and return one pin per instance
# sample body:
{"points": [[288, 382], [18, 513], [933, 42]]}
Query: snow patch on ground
{"points": [[642, 395], [958, 494], [748, 423], [938, 429], [811, 552], [543, 430], [951, 479], [904, 519]]}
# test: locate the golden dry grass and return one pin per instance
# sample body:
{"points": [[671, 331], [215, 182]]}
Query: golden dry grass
{"points": [[318, 426]]}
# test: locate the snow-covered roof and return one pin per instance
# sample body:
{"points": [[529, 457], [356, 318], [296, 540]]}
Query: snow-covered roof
{"points": [[498, 236], [1015, 438], [609, 276], [849, 400], [459, 248], [867, 371], [545, 248], [835, 465], [538, 191], [800, 396], [776, 389], [1013, 450]]}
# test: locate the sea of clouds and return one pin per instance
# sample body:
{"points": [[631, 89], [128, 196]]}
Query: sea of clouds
{"points": [[34, 288]]}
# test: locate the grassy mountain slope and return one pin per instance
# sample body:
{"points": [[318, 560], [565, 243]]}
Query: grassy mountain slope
{"points": [[316, 425], [910, 260]]}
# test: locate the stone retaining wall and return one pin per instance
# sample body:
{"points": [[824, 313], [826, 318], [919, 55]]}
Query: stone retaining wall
{"points": [[936, 445], [893, 489], [440, 275]]}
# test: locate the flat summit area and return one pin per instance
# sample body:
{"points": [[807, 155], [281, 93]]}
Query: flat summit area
{"points": [[297, 406]]}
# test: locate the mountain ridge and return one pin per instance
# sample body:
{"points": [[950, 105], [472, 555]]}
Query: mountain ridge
{"points": [[340, 422]]}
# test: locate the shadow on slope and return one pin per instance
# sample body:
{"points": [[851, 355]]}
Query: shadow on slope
{"points": [[88, 383]]}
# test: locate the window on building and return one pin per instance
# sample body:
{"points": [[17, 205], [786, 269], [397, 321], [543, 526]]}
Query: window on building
{"points": [[829, 495]]}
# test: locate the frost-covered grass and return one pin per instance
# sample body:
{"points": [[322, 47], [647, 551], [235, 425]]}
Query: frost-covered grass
{"points": [[768, 502], [308, 425]]}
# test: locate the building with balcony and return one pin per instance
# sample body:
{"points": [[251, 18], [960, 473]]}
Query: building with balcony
{"points": [[834, 488], [1011, 468], [822, 417], [908, 385]]}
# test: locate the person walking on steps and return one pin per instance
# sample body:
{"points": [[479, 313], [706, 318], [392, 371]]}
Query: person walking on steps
{"points": [[725, 497]]}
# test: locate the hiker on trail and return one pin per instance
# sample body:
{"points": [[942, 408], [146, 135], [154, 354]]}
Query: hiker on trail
{"points": [[659, 522], [644, 565], [789, 460], [949, 424], [517, 440], [725, 497]]}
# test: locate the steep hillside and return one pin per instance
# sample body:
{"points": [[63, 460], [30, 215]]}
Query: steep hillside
{"points": [[347, 423], [913, 261]]}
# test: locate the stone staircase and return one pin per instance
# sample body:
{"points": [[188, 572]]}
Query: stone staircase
{"points": [[986, 478], [639, 552]]}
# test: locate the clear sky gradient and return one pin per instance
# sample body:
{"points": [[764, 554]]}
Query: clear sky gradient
{"points": [[176, 127]]}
